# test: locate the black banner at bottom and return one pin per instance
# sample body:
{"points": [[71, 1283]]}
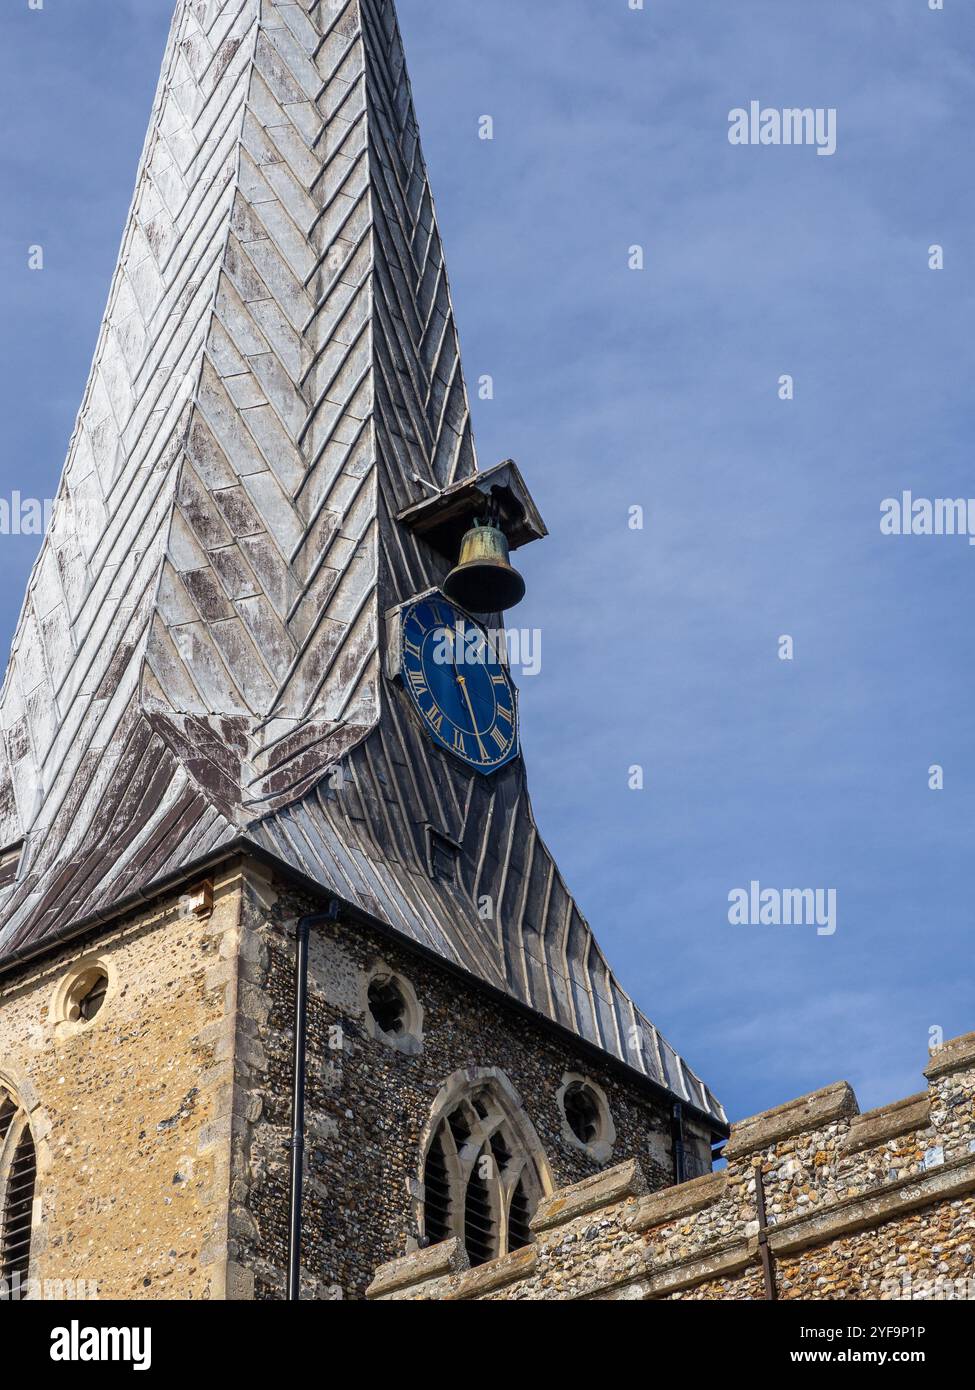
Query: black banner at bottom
{"points": [[189, 1340]]}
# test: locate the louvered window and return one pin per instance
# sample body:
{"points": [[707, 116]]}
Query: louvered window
{"points": [[479, 1181], [480, 1227], [18, 1173], [519, 1216], [436, 1191]]}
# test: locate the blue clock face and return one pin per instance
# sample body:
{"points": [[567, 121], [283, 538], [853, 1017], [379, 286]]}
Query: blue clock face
{"points": [[460, 689]]}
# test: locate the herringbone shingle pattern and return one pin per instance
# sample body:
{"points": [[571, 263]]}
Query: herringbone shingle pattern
{"points": [[277, 376]]}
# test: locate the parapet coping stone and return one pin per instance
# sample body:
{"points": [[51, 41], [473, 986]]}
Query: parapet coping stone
{"points": [[420, 1267], [496, 1274], [865, 1209], [601, 1190], [808, 1113], [702, 1266], [955, 1055], [955, 1179], [888, 1122], [675, 1202]]}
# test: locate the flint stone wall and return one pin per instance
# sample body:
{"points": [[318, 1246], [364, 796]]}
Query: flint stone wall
{"points": [[368, 1104], [858, 1206]]}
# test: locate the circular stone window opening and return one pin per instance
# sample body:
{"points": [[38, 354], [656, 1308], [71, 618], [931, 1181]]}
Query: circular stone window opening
{"points": [[393, 1012], [587, 1122], [582, 1112], [80, 996], [388, 1006], [93, 997]]}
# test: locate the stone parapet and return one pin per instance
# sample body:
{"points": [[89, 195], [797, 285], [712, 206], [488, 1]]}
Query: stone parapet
{"points": [[858, 1206], [771, 1127], [956, 1055], [602, 1190], [889, 1121], [674, 1202]]}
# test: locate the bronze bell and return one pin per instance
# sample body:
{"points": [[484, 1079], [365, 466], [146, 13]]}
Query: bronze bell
{"points": [[484, 579]]}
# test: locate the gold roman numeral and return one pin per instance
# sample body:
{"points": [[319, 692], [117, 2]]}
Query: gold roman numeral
{"points": [[506, 714], [500, 739], [459, 745], [436, 719]]}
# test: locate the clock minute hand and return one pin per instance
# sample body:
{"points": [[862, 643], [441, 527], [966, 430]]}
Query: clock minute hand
{"points": [[462, 682]]}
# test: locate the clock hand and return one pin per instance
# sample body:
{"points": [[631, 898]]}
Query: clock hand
{"points": [[470, 709], [462, 682]]}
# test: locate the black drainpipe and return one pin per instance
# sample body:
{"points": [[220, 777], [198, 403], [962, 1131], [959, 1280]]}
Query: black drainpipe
{"points": [[297, 1142], [677, 1135]]}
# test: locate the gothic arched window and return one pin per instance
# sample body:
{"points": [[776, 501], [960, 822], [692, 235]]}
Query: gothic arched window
{"points": [[483, 1171], [18, 1172]]}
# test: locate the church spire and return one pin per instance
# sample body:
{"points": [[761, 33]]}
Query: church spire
{"points": [[276, 395], [278, 367]]}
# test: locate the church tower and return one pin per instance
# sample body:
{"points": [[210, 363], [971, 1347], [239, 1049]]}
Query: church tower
{"points": [[279, 937]]}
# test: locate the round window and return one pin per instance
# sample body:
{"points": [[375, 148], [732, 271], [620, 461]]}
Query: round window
{"points": [[93, 997], [388, 1006], [392, 1011], [582, 1111], [587, 1122], [80, 996]]}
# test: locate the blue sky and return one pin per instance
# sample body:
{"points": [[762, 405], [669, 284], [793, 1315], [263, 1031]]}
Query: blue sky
{"points": [[659, 388]]}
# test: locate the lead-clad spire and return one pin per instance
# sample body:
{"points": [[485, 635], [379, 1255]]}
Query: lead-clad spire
{"points": [[279, 323], [277, 378]]}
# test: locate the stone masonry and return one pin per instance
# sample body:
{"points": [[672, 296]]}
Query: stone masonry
{"points": [[858, 1206], [161, 1126], [131, 1112], [367, 1103]]}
